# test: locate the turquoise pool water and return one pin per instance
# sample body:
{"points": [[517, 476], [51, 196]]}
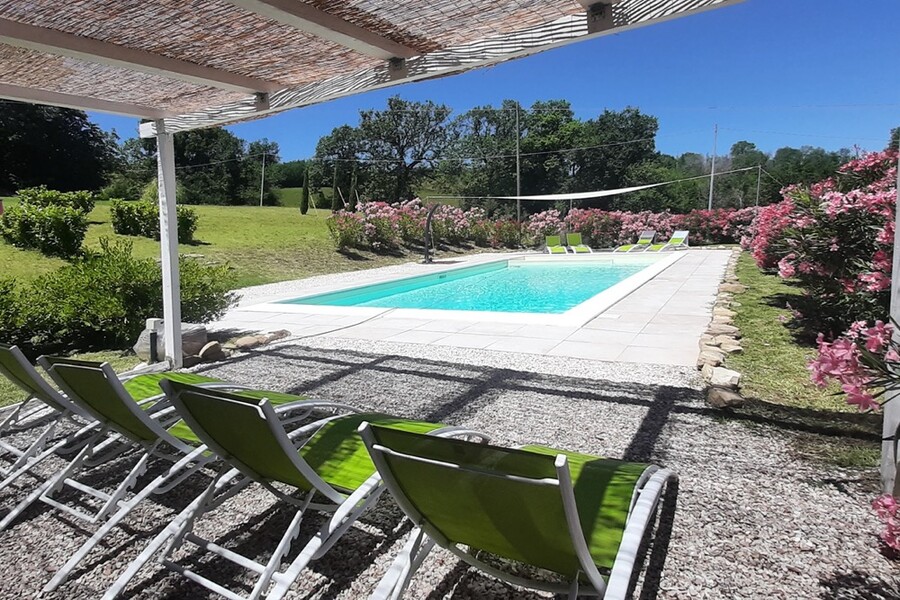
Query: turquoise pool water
{"points": [[504, 286]]}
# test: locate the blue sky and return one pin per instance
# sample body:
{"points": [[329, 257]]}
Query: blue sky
{"points": [[775, 72]]}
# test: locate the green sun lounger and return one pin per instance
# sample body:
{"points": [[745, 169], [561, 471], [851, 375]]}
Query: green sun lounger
{"points": [[578, 516], [43, 410], [136, 416], [573, 240], [554, 245], [678, 241], [644, 241], [325, 463]]}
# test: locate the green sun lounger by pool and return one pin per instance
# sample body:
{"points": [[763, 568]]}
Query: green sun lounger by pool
{"points": [[678, 241], [554, 245], [573, 240], [578, 516], [130, 416], [644, 241], [321, 467]]}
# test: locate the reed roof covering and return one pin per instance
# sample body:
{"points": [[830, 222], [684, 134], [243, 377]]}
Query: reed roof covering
{"points": [[198, 63]]}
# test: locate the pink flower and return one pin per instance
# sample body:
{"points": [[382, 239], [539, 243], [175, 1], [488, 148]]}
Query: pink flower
{"points": [[785, 269], [878, 337]]}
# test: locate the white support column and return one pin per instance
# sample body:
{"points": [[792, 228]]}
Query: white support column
{"points": [[168, 241], [892, 408]]}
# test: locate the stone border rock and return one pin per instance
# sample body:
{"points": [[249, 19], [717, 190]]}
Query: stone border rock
{"points": [[721, 339]]}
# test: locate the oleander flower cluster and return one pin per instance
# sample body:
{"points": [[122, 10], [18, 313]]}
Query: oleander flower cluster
{"points": [[835, 238], [384, 227]]}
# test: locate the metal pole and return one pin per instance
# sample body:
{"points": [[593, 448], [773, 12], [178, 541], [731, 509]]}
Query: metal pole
{"points": [[712, 176], [518, 171], [891, 423], [758, 182], [262, 180], [168, 242]]}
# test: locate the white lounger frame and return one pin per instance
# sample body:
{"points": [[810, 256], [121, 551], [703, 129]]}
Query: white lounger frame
{"points": [[187, 461], [422, 539], [345, 510], [34, 412]]}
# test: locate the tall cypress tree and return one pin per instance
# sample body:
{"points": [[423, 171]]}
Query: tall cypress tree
{"points": [[304, 196]]}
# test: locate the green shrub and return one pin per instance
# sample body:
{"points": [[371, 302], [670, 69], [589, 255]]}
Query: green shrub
{"points": [[54, 230], [142, 218], [101, 300], [9, 311], [41, 196], [121, 186]]}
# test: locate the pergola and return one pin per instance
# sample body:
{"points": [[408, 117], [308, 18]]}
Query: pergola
{"points": [[187, 64]]}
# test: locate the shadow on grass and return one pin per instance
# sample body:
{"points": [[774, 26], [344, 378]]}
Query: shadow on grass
{"points": [[861, 426]]}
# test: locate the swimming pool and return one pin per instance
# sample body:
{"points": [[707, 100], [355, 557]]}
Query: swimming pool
{"points": [[551, 285]]}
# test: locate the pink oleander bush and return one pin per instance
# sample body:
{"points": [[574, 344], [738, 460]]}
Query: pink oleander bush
{"points": [[864, 362], [604, 229], [835, 239], [347, 230], [542, 224]]}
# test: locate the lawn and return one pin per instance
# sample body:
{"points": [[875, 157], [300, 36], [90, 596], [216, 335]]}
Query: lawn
{"points": [[263, 245], [776, 380]]}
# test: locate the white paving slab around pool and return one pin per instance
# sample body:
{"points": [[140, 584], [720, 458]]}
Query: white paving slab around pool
{"points": [[660, 322]]}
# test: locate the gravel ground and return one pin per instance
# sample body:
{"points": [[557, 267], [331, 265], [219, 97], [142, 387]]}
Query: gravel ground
{"points": [[752, 521]]}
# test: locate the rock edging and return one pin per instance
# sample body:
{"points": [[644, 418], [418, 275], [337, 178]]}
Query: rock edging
{"points": [[721, 339]]}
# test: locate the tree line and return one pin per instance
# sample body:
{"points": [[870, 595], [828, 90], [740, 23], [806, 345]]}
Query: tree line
{"points": [[410, 149]]}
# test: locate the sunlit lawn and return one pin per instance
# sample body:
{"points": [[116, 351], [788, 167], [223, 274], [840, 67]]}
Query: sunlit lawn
{"points": [[263, 245]]}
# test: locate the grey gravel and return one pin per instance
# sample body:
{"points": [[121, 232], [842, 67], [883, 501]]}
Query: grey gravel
{"points": [[752, 520]]}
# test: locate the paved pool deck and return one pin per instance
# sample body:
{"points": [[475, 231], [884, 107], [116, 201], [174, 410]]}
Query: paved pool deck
{"points": [[659, 323]]}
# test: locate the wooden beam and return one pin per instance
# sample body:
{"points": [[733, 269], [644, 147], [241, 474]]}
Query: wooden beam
{"points": [[36, 96], [307, 18], [87, 49]]}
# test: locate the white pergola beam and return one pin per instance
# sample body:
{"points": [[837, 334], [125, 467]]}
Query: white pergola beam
{"points": [[168, 241], [87, 49], [305, 17], [36, 96], [891, 425]]}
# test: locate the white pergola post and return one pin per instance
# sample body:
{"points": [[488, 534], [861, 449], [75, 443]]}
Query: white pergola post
{"points": [[889, 464], [168, 241]]}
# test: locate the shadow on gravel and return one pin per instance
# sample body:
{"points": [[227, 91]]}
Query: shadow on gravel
{"points": [[858, 586], [448, 392]]}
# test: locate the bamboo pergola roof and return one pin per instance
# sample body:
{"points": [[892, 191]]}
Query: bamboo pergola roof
{"points": [[199, 63]]}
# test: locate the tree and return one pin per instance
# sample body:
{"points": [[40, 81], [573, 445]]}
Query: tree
{"points": [[304, 196], [894, 143], [260, 154], [481, 160], [56, 147], [614, 142], [402, 144], [338, 148], [288, 174]]}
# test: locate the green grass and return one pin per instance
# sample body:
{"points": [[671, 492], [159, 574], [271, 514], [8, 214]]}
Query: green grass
{"points": [[263, 245], [120, 361], [773, 363], [290, 197], [777, 383]]}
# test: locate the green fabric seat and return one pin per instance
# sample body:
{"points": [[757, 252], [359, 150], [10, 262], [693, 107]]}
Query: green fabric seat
{"points": [[473, 502], [573, 240], [644, 242], [554, 245], [679, 239], [181, 430], [337, 454]]}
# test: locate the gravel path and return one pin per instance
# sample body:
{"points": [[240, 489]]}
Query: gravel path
{"points": [[752, 520]]}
